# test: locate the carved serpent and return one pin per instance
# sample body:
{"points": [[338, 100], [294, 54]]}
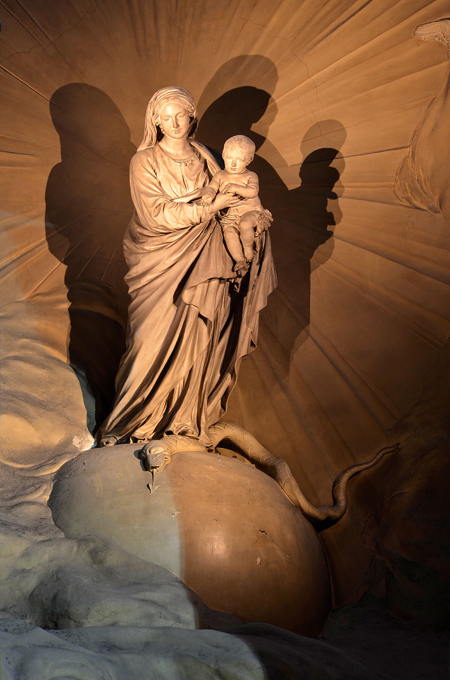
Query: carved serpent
{"points": [[156, 455]]}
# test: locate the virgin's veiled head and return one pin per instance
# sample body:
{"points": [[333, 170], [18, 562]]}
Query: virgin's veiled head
{"points": [[166, 95]]}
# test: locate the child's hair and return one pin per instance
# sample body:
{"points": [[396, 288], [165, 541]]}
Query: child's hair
{"points": [[241, 141]]}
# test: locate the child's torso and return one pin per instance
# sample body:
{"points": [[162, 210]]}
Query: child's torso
{"points": [[228, 178], [245, 204]]}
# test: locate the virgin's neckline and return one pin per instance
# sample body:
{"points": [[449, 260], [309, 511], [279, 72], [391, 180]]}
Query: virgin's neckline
{"points": [[183, 161]]}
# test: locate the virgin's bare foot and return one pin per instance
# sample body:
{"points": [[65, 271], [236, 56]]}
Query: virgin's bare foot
{"points": [[107, 440]]}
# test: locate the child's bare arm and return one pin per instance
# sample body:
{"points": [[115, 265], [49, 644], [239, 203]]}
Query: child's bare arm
{"points": [[209, 192], [248, 190], [215, 182], [208, 196]]}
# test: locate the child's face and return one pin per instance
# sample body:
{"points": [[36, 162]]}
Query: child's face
{"points": [[236, 159]]}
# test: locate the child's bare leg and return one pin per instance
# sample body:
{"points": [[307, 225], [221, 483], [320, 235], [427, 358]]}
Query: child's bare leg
{"points": [[247, 226], [233, 242]]}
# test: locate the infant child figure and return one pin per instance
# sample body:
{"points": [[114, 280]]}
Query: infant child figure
{"points": [[244, 222]]}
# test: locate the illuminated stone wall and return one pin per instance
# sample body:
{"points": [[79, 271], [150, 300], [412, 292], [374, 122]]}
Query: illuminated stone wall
{"points": [[331, 93]]}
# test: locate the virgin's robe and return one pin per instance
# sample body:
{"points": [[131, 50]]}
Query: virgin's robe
{"points": [[187, 329]]}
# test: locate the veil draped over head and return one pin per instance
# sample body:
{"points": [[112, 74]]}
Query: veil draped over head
{"points": [[161, 97]]}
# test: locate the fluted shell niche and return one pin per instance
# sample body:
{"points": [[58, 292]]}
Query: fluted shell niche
{"points": [[331, 93]]}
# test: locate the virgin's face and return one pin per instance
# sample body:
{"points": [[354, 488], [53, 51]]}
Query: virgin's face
{"points": [[174, 121]]}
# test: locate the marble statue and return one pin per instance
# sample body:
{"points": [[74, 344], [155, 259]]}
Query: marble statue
{"points": [[243, 223], [188, 325]]}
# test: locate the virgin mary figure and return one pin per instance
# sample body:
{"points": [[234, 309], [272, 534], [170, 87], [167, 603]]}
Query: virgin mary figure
{"points": [[188, 328]]}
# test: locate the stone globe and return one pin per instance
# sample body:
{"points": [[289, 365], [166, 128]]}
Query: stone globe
{"points": [[222, 526]]}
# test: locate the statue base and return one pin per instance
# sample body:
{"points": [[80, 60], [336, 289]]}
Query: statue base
{"points": [[223, 527]]}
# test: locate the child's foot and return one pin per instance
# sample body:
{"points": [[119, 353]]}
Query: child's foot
{"points": [[237, 284], [241, 268]]}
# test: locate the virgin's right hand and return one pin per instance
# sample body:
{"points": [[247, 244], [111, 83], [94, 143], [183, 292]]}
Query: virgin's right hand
{"points": [[222, 201]]}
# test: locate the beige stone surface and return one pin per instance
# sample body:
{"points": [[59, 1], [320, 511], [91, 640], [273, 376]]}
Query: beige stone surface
{"points": [[223, 527], [332, 94]]}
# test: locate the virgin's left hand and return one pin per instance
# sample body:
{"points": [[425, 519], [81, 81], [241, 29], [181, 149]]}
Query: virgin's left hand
{"points": [[222, 201]]}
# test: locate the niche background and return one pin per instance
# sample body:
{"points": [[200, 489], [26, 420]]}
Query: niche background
{"points": [[351, 350]]}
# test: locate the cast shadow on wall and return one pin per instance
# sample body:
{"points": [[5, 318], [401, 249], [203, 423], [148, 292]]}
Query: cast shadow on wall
{"points": [[304, 240], [303, 216], [88, 207]]}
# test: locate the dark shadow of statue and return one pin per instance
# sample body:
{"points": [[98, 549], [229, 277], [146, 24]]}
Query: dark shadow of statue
{"points": [[237, 110], [88, 207], [303, 241], [303, 216]]}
